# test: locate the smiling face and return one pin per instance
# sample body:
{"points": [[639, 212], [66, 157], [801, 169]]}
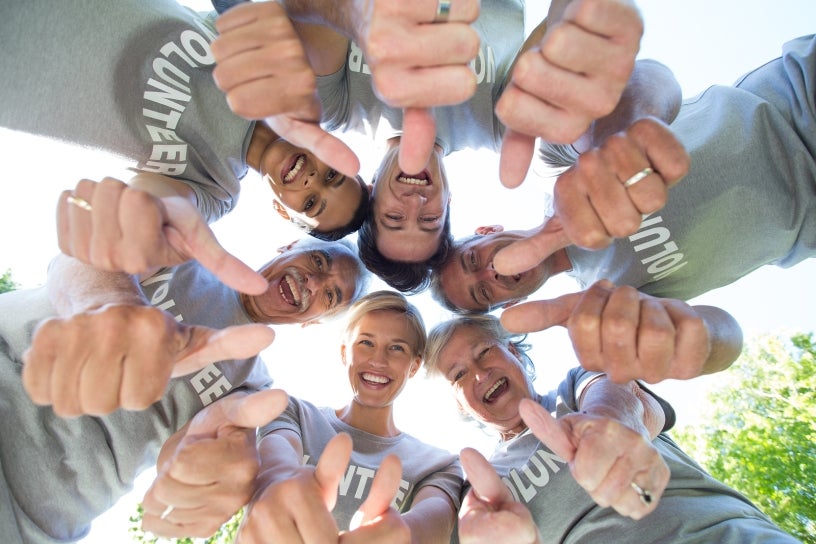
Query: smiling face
{"points": [[409, 210], [470, 282], [309, 190], [306, 284], [379, 357], [487, 378]]}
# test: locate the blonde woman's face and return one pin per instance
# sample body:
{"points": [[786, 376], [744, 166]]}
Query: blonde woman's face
{"points": [[379, 358]]}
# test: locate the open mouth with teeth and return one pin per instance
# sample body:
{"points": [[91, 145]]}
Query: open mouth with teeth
{"points": [[422, 179], [290, 290], [374, 380], [292, 169], [496, 391]]}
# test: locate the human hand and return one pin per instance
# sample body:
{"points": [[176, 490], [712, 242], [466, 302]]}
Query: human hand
{"points": [[377, 520], [431, 69], [122, 356], [591, 197], [605, 457], [576, 74], [622, 332], [209, 474], [118, 228], [264, 71], [298, 508], [489, 513], [592, 204]]}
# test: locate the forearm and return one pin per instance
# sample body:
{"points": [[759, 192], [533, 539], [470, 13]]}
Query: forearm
{"points": [[626, 403], [162, 186], [652, 91], [431, 519], [725, 338], [279, 458], [74, 287]]}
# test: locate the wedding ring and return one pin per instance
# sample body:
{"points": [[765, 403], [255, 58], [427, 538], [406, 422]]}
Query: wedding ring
{"points": [[80, 202], [442, 11], [645, 496], [638, 177], [167, 511]]}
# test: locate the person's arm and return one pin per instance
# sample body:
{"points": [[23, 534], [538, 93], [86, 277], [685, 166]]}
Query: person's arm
{"points": [[652, 91], [206, 471], [111, 349], [608, 445], [431, 517], [138, 228], [626, 402], [652, 339], [293, 501]]}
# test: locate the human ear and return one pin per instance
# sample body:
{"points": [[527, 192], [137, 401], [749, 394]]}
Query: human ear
{"points": [[415, 364], [281, 210], [287, 247], [488, 229], [343, 353]]}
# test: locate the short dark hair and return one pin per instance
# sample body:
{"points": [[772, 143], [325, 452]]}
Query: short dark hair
{"points": [[360, 214], [435, 283], [409, 278]]}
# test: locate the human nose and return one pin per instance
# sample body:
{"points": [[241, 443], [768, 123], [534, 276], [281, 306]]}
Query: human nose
{"points": [[488, 273], [309, 179], [315, 282]]}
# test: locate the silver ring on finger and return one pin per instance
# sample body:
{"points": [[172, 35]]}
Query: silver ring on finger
{"points": [[442, 11], [640, 176], [645, 495]]}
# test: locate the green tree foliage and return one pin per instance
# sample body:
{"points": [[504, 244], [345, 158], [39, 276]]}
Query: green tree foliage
{"points": [[759, 431], [6, 283], [225, 535]]}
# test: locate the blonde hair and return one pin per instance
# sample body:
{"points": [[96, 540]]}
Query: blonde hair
{"points": [[389, 301]]}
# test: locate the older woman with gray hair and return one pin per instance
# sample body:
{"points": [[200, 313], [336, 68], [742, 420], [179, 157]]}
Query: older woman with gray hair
{"points": [[610, 437]]}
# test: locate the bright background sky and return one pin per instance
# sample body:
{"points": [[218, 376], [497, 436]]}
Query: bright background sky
{"points": [[704, 42]]}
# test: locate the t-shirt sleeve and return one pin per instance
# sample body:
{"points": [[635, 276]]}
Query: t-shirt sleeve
{"points": [[289, 419], [334, 98], [449, 479]]}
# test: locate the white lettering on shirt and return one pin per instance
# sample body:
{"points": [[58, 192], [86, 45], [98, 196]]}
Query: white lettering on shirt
{"points": [[167, 95], [656, 250]]}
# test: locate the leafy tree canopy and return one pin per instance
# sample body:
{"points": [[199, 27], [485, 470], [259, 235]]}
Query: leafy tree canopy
{"points": [[759, 431]]}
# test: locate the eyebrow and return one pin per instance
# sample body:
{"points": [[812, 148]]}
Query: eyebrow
{"points": [[338, 293], [321, 209]]}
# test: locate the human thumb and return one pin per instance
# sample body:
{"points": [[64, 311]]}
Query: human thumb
{"points": [[207, 346], [547, 429], [384, 488]]}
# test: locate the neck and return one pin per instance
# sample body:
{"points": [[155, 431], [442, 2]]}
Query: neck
{"points": [[378, 421], [262, 136]]}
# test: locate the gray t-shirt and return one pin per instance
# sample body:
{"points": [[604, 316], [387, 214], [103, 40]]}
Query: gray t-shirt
{"points": [[58, 474], [349, 102], [131, 78], [422, 464], [749, 198], [694, 508]]}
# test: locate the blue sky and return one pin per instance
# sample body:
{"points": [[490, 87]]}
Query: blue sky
{"points": [[704, 42]]}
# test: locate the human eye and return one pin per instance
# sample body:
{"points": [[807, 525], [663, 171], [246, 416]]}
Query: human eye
{"points": [[393, 216], [458, 376], [331, 173], [429, 218], [398, 347], [472, 256], [317, 258], [309, 204], [329, 298], [366, 342], [483, 351]]}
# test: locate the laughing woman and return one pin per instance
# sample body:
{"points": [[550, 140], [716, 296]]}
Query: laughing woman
{"points": [[383, 345], [608, 435]]}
